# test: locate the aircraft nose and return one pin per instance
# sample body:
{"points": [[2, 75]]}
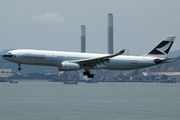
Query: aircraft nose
{"points": [[4, 56]]}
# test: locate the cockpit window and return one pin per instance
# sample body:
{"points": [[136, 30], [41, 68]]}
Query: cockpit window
{"points": [[9, 53]]}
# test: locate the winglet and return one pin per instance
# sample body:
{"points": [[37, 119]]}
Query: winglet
{"points": [[119, 53]]}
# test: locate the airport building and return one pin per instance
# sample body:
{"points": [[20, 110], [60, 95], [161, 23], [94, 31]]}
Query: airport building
{"points": [[5, 73]]}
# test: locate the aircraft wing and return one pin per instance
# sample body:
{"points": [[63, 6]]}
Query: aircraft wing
{"points": [[96, 61]]}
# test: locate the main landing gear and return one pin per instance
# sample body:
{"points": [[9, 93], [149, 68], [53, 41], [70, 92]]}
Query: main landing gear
{"points": [[89, 75], [19, 67]]}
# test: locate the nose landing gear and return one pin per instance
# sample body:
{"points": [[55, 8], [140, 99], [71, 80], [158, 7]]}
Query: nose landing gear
{"points": [[89, 75], [19, 67]]}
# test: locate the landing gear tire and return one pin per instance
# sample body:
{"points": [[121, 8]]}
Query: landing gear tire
{"points": [[87, 72], [19, 67], [91, 76]]}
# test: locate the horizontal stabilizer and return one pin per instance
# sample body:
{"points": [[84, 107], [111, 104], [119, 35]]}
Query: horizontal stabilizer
{"points": [[159, 61]]}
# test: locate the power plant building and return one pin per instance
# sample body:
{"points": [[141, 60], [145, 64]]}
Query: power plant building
{"points": [[110, 33], [83, 39]]}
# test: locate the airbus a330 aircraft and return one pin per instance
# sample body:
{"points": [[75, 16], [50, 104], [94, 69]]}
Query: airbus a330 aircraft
{"points": [[71, 61]]}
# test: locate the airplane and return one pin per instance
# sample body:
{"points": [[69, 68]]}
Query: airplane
{"points": [[72, 61]]}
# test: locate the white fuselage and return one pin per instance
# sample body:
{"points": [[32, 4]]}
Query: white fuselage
{"points": [[55, 58]]}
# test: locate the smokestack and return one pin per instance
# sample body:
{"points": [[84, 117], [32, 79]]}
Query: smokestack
{"points": [[83, 39], [110, 33]]}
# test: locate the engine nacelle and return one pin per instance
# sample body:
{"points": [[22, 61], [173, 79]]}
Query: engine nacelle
{"points": [[66, 66]]}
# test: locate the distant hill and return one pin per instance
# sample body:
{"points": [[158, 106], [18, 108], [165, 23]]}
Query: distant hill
{"points": [[174, 54]]}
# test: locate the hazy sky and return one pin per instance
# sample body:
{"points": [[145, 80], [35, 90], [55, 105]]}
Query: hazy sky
{"points": [[139, 25]]}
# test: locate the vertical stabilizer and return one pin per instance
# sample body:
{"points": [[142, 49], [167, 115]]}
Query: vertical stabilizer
{"points": [[162, 49]]}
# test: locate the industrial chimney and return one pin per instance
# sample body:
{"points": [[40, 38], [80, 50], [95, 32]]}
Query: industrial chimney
{"points": [[83, 39], [110, 33]]}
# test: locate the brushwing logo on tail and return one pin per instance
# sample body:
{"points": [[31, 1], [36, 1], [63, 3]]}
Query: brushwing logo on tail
{"points": [[163, 48]]}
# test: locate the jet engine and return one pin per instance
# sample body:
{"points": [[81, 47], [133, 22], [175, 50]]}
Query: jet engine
{"points": [[66, 66]]}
